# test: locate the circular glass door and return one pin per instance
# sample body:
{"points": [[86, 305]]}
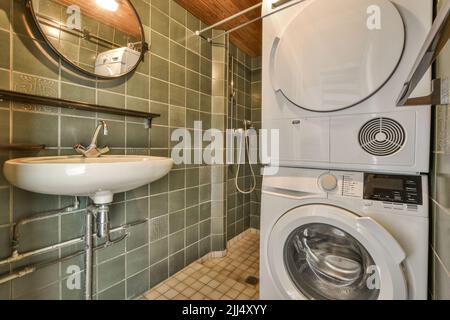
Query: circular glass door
{"points": [[325, 262], [319, 251], [337, 53]]}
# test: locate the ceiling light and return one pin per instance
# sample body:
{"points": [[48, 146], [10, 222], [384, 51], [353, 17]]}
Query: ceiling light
{"points": [[110, 5]]}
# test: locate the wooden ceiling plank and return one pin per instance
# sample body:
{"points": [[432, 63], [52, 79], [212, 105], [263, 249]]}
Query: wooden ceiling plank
{"points": [[249, 38]]}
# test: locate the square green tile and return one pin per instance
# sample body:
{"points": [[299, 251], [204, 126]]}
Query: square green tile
{"points": [[4, 80], [137, 210], [159, 91], [192, 253], [35, 85], [159, 45], [4, 206], [176, 262], [177, 75], [4, 48], [159, 137], [160, 186], [138, 236], [138, 284], [177, 12], [177, 96], [159, 228], [29, 58], [5, 288], [205, 246], [177, 32], [177, 117], [39, 234], [159, 272], [110, 252], [116, 292], [159, 68], [110, 272], [138, 86], [137, 136], [176, 242], [137, 260], [76, 131], [192, 216], [192, 100], [176, 221], [192, 22], [35, 128], [4, 126], [77, 93], [159, 250], [159, 205], [160, 22], [162, 5], [176, 179], [177, 53], [162, 110], [192, 234], [138, 105]]}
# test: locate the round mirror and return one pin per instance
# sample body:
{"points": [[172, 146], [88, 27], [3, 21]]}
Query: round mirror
{"points": [[102, 38]]}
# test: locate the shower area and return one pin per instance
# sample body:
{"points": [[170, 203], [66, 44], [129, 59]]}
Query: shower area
{"points": [[244, 117]]}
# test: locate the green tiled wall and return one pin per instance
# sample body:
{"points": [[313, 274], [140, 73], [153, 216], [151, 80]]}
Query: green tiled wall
{"points": [[440, 191], [175, 80]]}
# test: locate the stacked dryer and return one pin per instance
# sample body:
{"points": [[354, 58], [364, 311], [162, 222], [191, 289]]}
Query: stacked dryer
{"points": [[332, 71]]}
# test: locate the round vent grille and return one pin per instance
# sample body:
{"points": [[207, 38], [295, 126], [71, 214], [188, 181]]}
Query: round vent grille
{"points": [[382, 137]]}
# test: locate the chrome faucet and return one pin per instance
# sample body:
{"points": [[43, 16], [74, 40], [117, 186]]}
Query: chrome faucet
{"points": [[93, 151]]}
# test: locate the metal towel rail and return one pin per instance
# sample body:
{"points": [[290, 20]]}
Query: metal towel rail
{"points": [[434, 44]]}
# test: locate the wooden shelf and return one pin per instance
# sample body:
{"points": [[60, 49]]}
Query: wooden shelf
{"points": [[22, 147]]}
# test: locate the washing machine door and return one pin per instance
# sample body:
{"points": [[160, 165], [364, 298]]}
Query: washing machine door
{"points": [[337, 53], [323, 252]]}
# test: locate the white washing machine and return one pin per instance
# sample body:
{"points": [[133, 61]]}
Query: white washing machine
{"points": [[332, 72], [344, 235]]}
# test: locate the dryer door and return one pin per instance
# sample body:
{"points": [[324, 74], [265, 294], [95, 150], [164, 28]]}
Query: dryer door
{"points": [[324, 252], [337, 53]]}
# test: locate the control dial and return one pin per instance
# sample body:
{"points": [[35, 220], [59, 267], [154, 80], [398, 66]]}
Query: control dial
{"points": [[328, 182]]}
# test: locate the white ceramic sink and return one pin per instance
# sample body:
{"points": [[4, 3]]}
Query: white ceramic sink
{"points": [[97, 178]]}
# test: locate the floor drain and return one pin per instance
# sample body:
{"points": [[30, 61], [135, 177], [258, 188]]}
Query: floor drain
{"points": [[252, 280]]}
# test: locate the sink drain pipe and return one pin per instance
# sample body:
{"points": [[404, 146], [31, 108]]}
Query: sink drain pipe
{"points": [[32, 268], [100, 212]]}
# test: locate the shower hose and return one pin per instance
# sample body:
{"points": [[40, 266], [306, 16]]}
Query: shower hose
{"points": [[246, 149]]}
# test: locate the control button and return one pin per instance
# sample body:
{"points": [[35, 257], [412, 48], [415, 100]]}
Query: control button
{"points": [[387, 205], [328, 182]]}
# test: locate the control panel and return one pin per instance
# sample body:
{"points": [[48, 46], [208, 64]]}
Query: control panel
{"points": [[394, 191], [393, 188]]}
